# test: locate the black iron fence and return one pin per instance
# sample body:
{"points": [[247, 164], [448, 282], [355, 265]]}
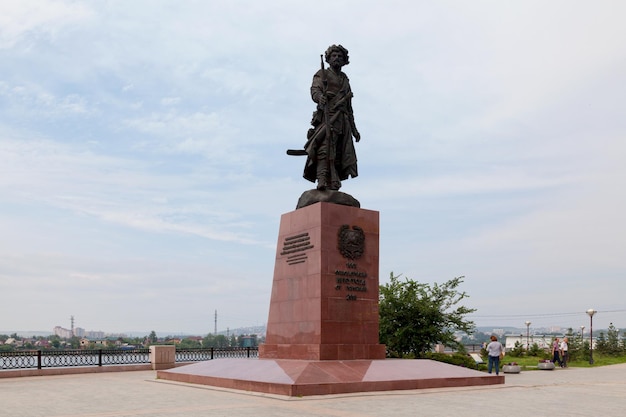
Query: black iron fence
{"points": [[468, 349], [197, 355], [40, 359]]}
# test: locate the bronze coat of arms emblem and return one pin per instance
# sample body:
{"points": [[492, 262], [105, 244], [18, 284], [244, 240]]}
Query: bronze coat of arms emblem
{"points": [[351, 241]]}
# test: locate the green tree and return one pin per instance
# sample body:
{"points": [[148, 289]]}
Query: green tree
{"points": [[518, 350], [610, 345], [585, 351], [414, 317], [74, 342], [601, 343], [535, 350], [136, 341], [55, 341], [152, 337], [574, 345], [208, 341], [614, 344], [189, 344], [215, 341]]}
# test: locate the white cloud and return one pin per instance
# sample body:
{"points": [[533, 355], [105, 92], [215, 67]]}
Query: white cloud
{"points": [[29, 21], [133, 135], [35, 101], [116, 191], [170, 101]]}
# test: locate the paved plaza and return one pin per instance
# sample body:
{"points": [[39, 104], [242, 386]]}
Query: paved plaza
{"points": [[562, 392]]}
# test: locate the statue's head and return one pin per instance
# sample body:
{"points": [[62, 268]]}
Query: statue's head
{"points": [[337, 48]]}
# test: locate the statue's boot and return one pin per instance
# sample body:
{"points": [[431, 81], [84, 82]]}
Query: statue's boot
{"points": [[322, 176]]}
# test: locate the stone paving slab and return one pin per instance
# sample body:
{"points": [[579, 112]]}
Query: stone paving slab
{"points": [[564, 392]]}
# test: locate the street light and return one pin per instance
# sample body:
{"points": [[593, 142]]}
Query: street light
{"points": [[582, 332], [591, 312], [527, 335]]}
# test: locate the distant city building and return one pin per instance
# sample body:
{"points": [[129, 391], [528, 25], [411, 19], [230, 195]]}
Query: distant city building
{"points": [[542, 341], [94, 334], [498, 332], [62, 332]]}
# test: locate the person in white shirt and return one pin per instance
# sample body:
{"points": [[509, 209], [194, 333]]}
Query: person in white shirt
{"points": [[564, 353], [495, 350]]}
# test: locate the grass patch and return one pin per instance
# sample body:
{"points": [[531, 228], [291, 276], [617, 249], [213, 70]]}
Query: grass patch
{"points": [[598, 360], [531, 362]]}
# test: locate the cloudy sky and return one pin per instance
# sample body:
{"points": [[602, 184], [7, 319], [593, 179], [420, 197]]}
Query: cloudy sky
{"points": [[143, 169]]}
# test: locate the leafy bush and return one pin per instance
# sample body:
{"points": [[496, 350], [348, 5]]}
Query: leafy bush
{"points": [[517, 351], [611, 344], [459, 359], [535, 350], [585, 351], [415, 316]]}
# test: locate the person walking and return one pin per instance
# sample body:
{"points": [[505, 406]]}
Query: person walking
{"points": [[495, 350], [564, 353], [556, 349]]}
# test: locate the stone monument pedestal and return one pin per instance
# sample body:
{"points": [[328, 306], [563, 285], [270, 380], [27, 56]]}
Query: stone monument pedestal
{"points": [[295, 378], [322, 331], [324, 302]]}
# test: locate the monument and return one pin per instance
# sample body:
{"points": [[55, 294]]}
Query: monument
{"points": [[322, 329], [324, 303], [325, 292]]}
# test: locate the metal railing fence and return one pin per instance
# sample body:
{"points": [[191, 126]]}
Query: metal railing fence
{"points": [[39, 359]]}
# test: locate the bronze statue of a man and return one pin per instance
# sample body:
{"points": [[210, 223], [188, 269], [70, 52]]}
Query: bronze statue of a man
{"points": [[331, 157]]}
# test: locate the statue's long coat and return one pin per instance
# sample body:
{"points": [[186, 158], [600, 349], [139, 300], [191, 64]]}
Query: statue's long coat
{"points": [[343, 152]]}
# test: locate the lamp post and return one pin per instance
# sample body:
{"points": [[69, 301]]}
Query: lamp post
{"points": [[591, 312], [582, 332], [527, 335]]}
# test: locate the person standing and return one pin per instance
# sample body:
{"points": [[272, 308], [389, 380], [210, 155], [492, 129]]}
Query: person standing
{"points": [[556, 349], [564, 352], [331, 154], [495, 351]]}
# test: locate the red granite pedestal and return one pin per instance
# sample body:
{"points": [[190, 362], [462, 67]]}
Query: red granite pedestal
{"points": [[324, 302], [294, 378], [322, 330]]}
